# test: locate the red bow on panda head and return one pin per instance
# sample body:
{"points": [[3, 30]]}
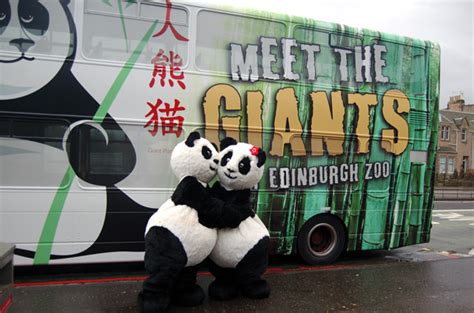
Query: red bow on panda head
{"points": [[254, 150]]}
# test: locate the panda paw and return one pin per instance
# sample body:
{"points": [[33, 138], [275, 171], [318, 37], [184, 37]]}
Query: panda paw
{"points": [[152, 303], [189, 192], [220, 290], [259, 289], [192, 297], [247, 211]]}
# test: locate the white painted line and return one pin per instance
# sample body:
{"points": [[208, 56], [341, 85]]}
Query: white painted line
{"points": [[454, 200], [449, 210], [462, 219], [436, 223], [447, 215]]}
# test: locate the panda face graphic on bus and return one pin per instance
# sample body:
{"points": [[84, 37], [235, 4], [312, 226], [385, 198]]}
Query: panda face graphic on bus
{"points": [[38, 46], [27, 44]]}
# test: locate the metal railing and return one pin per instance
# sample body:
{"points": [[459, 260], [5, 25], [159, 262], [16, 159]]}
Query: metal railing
{"points": [[454, 193]]}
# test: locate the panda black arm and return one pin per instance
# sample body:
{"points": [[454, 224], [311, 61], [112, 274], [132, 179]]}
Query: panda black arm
{"points": [[108, 142], [189, 192], [212, 212], [222, 214]]}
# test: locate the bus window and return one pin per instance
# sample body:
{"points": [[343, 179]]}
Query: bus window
{"points": [[327, 43], [128, 8], [93, 160], [151, 168], [216, 30], [111, 36], [52, 131], [5, 127], [98, 165], [32, 144], [414, 74]]}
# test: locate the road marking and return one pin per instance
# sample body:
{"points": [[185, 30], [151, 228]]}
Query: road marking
{"points": [[449, 210], [452, 216], [448, 215]]}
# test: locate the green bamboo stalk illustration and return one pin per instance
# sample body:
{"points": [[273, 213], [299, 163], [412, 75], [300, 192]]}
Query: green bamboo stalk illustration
{"points": [[122, 18]]}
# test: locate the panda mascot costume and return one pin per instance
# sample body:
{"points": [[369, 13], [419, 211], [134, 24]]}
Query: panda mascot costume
{"points": [[240, 256], [182, 233]]}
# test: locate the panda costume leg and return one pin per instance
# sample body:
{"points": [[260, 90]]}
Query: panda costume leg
{"points": [[224, 287], [186, 292], [246, 277], [165, 258], [242, 252], [250, 269]]}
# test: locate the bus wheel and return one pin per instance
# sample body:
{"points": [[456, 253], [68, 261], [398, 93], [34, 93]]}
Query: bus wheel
{"points": [[322, 239]]}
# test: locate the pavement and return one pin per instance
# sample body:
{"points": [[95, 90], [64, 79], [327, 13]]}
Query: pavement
{"points": [[371, 283], [453, 193]]}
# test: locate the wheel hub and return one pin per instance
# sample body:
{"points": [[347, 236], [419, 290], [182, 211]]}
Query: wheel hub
{"points": [[322, 239]]}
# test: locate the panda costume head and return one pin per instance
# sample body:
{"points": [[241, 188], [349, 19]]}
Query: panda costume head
{"points": [[31, 31], [241, 165], [195, 156]]}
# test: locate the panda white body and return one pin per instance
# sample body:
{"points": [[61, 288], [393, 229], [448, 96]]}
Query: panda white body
{"points": [[239, 169], [182, 220], [233, 244], [198, 158]]}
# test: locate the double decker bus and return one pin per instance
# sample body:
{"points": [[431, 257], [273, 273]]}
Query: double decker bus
{"points": [[94, 95]]}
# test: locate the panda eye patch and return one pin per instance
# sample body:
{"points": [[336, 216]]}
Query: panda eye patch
{"points": [[4, 15], [34, 17], [226, 158], [244, 166], [206, 152]]}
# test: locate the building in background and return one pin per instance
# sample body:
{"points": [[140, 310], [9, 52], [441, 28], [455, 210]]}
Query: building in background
{"points": [[456, 138]]}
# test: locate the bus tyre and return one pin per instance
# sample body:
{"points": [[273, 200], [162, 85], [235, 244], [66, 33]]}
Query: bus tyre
{"points": [[322, 239]]}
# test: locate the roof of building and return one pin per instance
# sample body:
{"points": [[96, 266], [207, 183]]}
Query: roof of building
{"points": [[457, 117]]}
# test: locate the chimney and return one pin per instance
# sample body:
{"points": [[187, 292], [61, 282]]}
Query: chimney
{"points": [[456, 103]]}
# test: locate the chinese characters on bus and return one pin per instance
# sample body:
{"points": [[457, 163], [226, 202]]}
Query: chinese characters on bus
{"points": [[167, 71]]}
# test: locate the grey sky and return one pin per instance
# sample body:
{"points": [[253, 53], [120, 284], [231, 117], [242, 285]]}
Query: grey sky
{"points": [[447, 22]]}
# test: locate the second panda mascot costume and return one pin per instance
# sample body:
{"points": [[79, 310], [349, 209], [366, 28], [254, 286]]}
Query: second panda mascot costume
{"points": [[240, 256], [182, 233]]}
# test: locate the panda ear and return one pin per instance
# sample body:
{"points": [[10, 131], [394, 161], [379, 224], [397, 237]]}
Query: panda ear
{"points": [[227, 141], [262, 157], [191, 138], [215, 146]]}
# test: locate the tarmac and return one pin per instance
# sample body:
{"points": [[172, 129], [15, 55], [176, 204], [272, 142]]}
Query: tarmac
{"points": [[380, 283], [433, 277]]}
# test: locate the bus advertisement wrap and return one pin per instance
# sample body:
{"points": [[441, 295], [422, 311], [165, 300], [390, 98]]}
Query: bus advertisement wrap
{"points": [[94, 95]]}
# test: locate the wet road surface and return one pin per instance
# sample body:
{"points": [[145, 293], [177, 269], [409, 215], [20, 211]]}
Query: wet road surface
{"points": [[431, 286], [434, 277]]}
